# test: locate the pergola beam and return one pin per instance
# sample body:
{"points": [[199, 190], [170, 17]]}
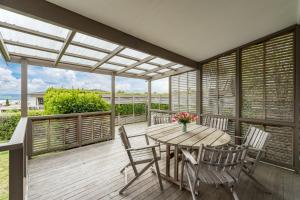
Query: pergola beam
{"points": [[107, 57], [158, 68], [171, 73], [3, 49], [74, 21], [136, 64], [30, 31], [68, 40], [68, 66]]}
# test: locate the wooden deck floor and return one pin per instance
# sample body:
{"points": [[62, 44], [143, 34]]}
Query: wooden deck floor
{"points": [[92, 172]]}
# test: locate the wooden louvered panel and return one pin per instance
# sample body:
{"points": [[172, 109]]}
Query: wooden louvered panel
{"points": [[40, 135], [51, 133], [56, 134], [252, 62], [184, 92], [210, 88], [218, 86], [192, 91], [128, 119], [105, 128], [226, 84], [87, 133], [71, 129], [279, 78]]}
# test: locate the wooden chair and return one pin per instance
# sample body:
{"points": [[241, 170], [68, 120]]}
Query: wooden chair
{"points": [[256, 139], [214, 166], [139, 155], [163, 120], [216, 122]]}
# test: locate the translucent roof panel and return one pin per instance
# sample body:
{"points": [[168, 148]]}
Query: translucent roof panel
{"points": [[79, 61], [31, 52], [160, 61], [121, 60], [85, 52], [177, 66], [147, 66], [135, 71], [163, 70], [152, 74], [134, 53], [92, 41], [33, 24], [25, 38], [111, 67]]}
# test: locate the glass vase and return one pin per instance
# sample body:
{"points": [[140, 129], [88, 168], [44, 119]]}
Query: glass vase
{"points": [[184, 127]]}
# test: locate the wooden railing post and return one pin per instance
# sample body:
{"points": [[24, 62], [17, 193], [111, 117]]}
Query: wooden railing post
{"points": [[149, 102], [17, 174], [113, 105], [79, 131], [29, 139]]}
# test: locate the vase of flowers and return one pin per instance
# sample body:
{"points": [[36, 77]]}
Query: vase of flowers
{"points": [[184, 118]]}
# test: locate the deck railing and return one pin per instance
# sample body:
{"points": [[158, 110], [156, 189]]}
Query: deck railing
{"points": [[18, 156], [43, 134]]}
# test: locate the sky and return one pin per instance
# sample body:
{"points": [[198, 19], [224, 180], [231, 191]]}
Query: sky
{"points": [[41, 78]]}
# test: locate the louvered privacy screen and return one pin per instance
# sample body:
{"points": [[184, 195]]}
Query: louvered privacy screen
{"points": [[184, 92], [218, 86], [51, 133], [267, 87]]}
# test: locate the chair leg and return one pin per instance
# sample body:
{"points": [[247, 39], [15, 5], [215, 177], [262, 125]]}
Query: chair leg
{"points": [[234, 194], [138, 175], [182, 175], [191, 185], [261, 186], [122, 170], [157, 169]]}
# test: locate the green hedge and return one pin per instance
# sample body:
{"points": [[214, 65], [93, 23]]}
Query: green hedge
{"points": [[162, 106], [127, 109], [64, 101]]}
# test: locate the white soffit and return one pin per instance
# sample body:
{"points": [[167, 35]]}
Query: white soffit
{"points": [[197, 29]]}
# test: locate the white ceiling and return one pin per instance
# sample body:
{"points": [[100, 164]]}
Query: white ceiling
{"points": [[197, 29]]}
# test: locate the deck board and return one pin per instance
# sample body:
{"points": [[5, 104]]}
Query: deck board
{"points": [[92, 172]]}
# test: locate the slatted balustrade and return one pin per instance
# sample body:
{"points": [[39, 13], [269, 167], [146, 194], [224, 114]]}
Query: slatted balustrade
{"points": [[59, 132]]}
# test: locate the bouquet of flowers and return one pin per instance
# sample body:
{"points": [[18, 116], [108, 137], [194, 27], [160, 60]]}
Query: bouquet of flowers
{"points": [[184, 118]]}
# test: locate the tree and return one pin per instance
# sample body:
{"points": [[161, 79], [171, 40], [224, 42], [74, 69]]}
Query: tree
{"points": [[7, 102], [64, 101]]}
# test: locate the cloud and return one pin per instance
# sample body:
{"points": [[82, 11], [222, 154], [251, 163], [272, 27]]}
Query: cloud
{"points": [[8, 83], [160, 86], [37, 85]]}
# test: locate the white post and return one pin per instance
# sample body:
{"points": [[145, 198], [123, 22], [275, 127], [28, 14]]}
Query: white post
{"points": [[149, 102], [113, 105], [24, 72]]}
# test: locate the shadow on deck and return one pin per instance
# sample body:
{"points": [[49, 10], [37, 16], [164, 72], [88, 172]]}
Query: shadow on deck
{"points": [[92, 172]]}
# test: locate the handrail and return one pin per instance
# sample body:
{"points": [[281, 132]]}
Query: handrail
{"points": [[163, 111], [17, 139], [69, 115]]}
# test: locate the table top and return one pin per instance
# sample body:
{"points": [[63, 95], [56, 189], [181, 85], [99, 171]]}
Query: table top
{"points": [[195, 136]]}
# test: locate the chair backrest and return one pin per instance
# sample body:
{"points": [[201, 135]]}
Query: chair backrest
{"points": [[216, 122], [124, 137], [161, 119], [226, 158], [256, 138]]}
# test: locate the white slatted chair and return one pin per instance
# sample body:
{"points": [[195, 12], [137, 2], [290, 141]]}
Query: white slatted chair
{"points": [[139, 155], [216, 122], [256, 139], [214, 166]]}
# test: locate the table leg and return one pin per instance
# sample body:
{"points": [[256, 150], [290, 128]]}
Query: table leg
{"points": [[176, 163], [168, 160]]}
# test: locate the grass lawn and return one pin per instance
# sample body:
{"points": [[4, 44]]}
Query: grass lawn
{"points": [[3, 175]]}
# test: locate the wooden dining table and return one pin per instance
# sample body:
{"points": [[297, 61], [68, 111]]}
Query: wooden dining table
{"points": [[174, 138]]}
